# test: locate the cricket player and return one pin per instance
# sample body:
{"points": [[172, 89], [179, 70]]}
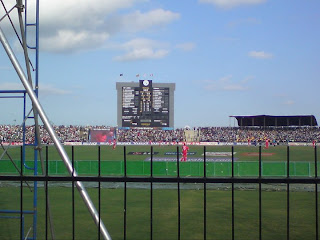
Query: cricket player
{"points": [[114, 144], [185, 149], [267, 143]]}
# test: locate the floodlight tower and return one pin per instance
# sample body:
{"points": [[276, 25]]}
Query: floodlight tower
{"points": [[31, 91]]}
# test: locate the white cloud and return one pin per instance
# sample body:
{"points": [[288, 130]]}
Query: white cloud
{"points": [[188, 46], [138, 21], [260, 54], [11, 86], [79, 25], [44, 89], [231, 3], [142, 43], [142, 54], [79, 14], [226, 84], [141, 49], [68, 41], [48, 89]]}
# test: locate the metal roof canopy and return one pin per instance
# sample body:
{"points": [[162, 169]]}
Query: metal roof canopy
{"points": [[276, 121]]}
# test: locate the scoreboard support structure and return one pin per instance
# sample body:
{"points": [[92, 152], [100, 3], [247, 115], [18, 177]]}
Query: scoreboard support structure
{"points": [[145, 104]]}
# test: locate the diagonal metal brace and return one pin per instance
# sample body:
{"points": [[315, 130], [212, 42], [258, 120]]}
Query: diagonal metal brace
{"points": [[85, 196]]}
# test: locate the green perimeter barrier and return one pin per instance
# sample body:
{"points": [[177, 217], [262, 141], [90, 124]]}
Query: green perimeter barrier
{"points": [[142, 168]]}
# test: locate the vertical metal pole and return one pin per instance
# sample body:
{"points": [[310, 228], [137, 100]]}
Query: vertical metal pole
{"points": [[288, 195], [20, 8], [21, 197], [204, 194], [99, 188], [37, 142], [316, 191], [35, 196], [151, 195], [24, 129], [46, 190], [85, 196], [35, 193], [260, 195], [48, 209], [232, 188], [125, 196], [37, 46], [179, 210], [73, 219]]}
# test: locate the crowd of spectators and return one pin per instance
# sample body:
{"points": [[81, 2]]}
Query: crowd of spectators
{"points": [[149, 135], [14, 133], [71, 133], [236, 134]]}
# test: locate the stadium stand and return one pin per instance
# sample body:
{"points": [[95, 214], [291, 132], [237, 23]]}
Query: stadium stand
{"points": [[73, 133], [277, 121]]}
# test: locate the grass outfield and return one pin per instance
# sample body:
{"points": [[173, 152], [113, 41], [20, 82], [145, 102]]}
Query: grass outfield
{"points": [[165, 205], [278, 153], [165, 212]]}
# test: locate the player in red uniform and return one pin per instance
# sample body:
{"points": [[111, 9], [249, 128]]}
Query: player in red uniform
{"points": [[114, 144], [185, 149], [267, 143]]}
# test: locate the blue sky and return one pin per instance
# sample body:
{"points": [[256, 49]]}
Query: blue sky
{"points": [[227, 57]]}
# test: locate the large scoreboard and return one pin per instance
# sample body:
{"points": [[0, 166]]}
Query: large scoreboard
{"points": [[145, 104]]}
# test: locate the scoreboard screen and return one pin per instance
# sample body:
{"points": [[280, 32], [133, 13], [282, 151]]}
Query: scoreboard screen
{"points": [[145, 105]]}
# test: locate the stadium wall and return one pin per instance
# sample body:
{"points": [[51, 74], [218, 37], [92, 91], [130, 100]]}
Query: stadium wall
{"points": [[180, 143], [166, 144]]}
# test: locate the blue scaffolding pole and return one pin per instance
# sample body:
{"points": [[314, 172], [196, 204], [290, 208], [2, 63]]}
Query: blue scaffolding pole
{"points": [[39, 111], [21, 94], [14, 94], [36, 88]]}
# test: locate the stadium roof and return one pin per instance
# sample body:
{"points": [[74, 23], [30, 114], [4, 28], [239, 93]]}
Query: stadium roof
{"points": [[276, 121]]}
